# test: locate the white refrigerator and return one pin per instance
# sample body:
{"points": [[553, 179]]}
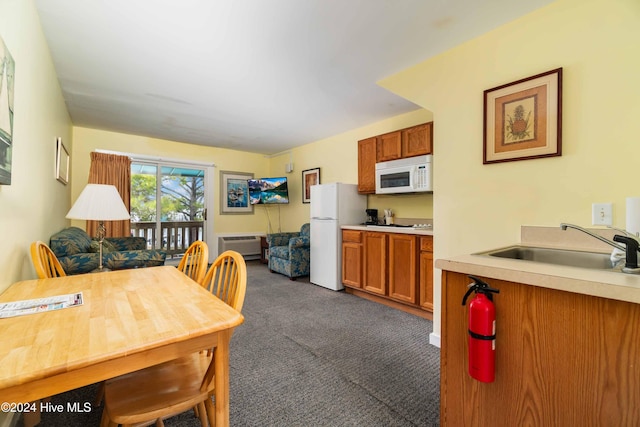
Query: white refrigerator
{"points": [[332, 205]]}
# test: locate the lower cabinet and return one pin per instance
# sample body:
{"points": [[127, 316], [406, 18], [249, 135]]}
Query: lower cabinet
{"points": [[561, 359], [396, 267], [426, 272], [375, 263], [403, 268], [352, 258]]}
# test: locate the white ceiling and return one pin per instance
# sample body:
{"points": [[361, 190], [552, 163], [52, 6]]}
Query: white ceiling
{"points": [[254, 75]]}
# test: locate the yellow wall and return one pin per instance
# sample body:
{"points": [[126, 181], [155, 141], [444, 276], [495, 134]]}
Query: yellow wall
{"points": [[34, 206], [480, 206]]}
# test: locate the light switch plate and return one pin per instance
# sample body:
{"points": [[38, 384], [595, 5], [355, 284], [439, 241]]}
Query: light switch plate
{"points": [[602, 214]]}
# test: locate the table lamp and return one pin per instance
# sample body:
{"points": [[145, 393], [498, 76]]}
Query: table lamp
{"points": [[99, 202]]}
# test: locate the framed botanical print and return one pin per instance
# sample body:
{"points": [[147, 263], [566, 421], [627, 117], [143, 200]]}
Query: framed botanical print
{"points": [[523, 119]]}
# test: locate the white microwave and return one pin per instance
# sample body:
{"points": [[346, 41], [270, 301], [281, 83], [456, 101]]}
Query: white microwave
{"points": [[410, 175]]}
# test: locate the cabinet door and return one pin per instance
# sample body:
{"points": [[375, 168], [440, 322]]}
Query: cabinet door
{"points": [[416, 140], [389, 146], [426, 280], [352, 264], [402, 267], [426, 272], [375, 263], [367, 166]]}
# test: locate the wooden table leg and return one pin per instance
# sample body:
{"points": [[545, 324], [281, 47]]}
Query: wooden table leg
{"points": [[32, 419], [221, 365]]}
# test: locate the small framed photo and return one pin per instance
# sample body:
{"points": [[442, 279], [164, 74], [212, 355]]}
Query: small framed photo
{"points": [[234, 193], [523, 119], [309, 177], [62, 162]]}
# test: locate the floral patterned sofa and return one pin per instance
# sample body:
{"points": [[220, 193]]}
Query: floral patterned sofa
{"points": [[289, 253], [78, 253]]}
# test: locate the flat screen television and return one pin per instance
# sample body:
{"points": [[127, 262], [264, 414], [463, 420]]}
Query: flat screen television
{"points": [[266, 191]]}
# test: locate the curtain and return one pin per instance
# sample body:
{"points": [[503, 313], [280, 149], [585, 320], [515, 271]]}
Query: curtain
{"points": [[114, 170]]}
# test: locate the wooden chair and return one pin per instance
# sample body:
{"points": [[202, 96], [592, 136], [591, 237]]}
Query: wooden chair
{"points": [[165, 390], [47, 266], [45, 261], [195, 260]]}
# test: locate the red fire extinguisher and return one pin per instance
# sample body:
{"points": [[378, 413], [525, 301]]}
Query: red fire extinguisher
{"points": [[482, 331]]}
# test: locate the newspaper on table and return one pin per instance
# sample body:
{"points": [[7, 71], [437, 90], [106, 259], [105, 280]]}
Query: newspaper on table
{"points": [[30, 306]]}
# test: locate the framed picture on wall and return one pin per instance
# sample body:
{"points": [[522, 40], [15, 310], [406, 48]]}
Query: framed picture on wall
{"points": [[309, 177], [7, 74], [523, 119], [62, 162], [234, 193]]}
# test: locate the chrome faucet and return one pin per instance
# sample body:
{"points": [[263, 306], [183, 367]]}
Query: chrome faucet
{"points": [[630, 248], [564, 226]]}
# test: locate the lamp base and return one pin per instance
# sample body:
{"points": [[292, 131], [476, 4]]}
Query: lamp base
{"points": [[100, 270]]}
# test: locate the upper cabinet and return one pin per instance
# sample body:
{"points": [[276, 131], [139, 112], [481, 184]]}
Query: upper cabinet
{"points": [[367, 166], [416, 141], [389, 146], [399, 144]]}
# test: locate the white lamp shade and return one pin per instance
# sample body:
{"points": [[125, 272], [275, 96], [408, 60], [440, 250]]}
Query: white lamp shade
{"points": [[100, 203]]}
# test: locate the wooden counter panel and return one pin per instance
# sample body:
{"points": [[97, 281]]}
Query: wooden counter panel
{"points": [[561, 359]]}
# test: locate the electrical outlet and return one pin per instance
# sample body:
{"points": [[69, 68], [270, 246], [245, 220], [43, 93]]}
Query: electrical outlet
{"points": [[602, 214]]}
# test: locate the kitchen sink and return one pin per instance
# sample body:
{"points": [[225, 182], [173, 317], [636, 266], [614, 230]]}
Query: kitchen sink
{"points": [[566, 257]]}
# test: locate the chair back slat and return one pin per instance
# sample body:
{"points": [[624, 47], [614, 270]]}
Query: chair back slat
{"points": [[45, 261], [195, 259], [227, 279]]}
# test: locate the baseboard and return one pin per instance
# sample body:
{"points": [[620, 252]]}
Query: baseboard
{"points": [[434, 339], [9, 419], [390, 303]]}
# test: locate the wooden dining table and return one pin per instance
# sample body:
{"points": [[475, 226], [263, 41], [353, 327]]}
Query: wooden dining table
{"points": [[130, 319]]}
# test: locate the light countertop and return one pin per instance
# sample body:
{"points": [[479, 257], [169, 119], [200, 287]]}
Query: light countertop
{"points": [[606, 284]]}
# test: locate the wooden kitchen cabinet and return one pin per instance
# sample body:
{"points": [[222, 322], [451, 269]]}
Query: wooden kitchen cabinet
{"points": [[352, 258], [403, 271], [389, 146], [400, 144], [374, 278], [367, 166], [395, 269], [562, 359], [417, 140], [426, 272]]}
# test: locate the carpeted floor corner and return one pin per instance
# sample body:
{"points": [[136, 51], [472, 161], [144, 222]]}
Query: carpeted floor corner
{"points": [[309, 356]]}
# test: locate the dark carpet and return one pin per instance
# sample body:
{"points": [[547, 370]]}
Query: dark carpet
{"points": [[309, 356]]}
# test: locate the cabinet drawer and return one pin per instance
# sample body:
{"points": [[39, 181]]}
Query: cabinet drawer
{"points": [[426, 243], [352, 236]]}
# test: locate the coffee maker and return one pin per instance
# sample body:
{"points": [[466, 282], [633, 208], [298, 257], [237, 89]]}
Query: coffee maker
{"points": [[372, 217]]}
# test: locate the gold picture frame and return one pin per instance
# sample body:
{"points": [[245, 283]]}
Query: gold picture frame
{"points": [[62, 162], [309, 177], [523, 119], [234, 193]]}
